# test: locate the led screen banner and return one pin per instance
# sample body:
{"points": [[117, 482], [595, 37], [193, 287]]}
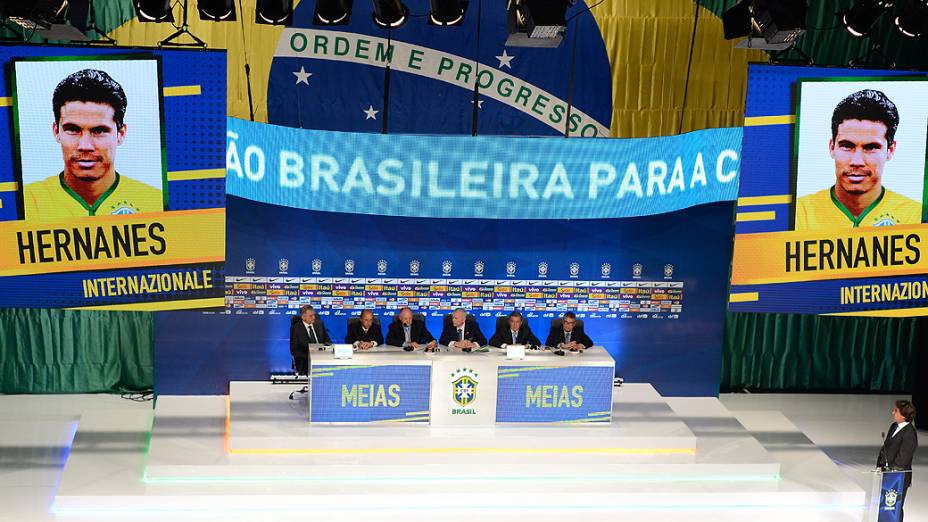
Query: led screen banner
{"points": [[643, 284], [571, 394], [112, 180], [480, 177], [831, 203]]}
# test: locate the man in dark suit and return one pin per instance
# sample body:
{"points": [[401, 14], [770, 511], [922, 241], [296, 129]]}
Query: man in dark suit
{"points": [[569, 335], [410, 334], [364, 334], [308, 329], [899, 447], [461, 332], [518, 332]]}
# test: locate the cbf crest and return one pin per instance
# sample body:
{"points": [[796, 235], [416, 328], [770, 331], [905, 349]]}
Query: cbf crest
{"points": [[414, 267], [637, 269], [317, 266], [574, 269], [605, 270], [542, 269], [890, 499], [464, 390], [446, 267], [382, 267], [511, 268], [283, 265], [250, 265], [349, 266], [668, 271], [478, 268]]}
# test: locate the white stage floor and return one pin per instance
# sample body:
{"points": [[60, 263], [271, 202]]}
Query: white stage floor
{"points": [[188, 467]]}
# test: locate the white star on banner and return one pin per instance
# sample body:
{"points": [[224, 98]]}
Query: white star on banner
{"points": [[504, 60], [479, 103], [302, 76], [370, 113]]}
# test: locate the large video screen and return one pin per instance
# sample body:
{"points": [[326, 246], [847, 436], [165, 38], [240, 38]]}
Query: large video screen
{"points": [[831, 202], [112, 178]]}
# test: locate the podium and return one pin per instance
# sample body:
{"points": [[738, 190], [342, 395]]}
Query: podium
{"points": [[886, 496]]}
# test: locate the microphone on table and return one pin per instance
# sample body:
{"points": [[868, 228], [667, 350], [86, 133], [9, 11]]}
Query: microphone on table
{"points": [[882, 456], [407, 347]]}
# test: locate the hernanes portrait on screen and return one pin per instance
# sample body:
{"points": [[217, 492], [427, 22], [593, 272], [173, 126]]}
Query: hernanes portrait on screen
{"points": [[860, 153], [89, 138]]}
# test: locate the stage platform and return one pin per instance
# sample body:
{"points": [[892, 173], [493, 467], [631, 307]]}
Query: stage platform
{"points": [[255, 451]]}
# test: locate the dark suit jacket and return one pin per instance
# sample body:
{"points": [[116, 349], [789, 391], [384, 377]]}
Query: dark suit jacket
{"points": [[418, 333], [471, 333], [299, 341], [504, 336], [356, 333], [899, 450], [556, 336]]}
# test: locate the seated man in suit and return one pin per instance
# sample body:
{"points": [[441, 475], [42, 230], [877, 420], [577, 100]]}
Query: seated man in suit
{"points": [[568, 336], [364, 334], [410, 334], [461, 333], [517, 333], [308, 329]]}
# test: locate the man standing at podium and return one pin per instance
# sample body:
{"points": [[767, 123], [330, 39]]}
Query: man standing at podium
{"points": [[462, 333], [899, 447]]}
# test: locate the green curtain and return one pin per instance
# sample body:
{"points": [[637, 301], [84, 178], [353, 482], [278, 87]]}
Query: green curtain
{"points": [[69, 351], [790, 352]]}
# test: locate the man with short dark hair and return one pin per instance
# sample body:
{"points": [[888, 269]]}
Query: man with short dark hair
{"points": [[364, 334], [461, 332], [569, 335], [308, 329], [517, 333], [863, 139], [899, 447], [409, 333], [89, 108]]}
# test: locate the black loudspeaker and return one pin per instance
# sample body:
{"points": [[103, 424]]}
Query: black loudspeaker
{"points": [[736, 22]]}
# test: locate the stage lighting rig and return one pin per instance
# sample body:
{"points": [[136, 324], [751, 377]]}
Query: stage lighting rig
{"points": [[773, 25], [274, 12], [536, 23], [390, 14], [912, 20], [863, 15], [447, 12], [48, 18], [216, 10], [332, 12], [157, 11]]}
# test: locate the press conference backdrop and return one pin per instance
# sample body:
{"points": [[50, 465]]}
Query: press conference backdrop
{"points": [[155, 239], [831, 200], [351, 221]]}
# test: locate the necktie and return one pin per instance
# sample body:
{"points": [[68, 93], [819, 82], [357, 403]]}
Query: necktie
{"points": [[460, 334], [566, 337], [515, 337], [406, 333], [312, 334]]}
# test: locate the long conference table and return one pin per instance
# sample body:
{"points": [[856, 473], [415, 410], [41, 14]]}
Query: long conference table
{"points": [[452, 388]]}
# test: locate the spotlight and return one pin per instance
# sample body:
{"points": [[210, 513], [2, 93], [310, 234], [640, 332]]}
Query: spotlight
{"points": [[913, 19], [274, 12], [536, 23], [332, 12], [216, 10], [767, 24], [447, 12], [390, 14], [860, 19], [154, 11]]}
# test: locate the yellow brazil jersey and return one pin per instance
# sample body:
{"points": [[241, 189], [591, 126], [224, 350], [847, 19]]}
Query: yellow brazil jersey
{"points": [[823, 210], [52, 200]]}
